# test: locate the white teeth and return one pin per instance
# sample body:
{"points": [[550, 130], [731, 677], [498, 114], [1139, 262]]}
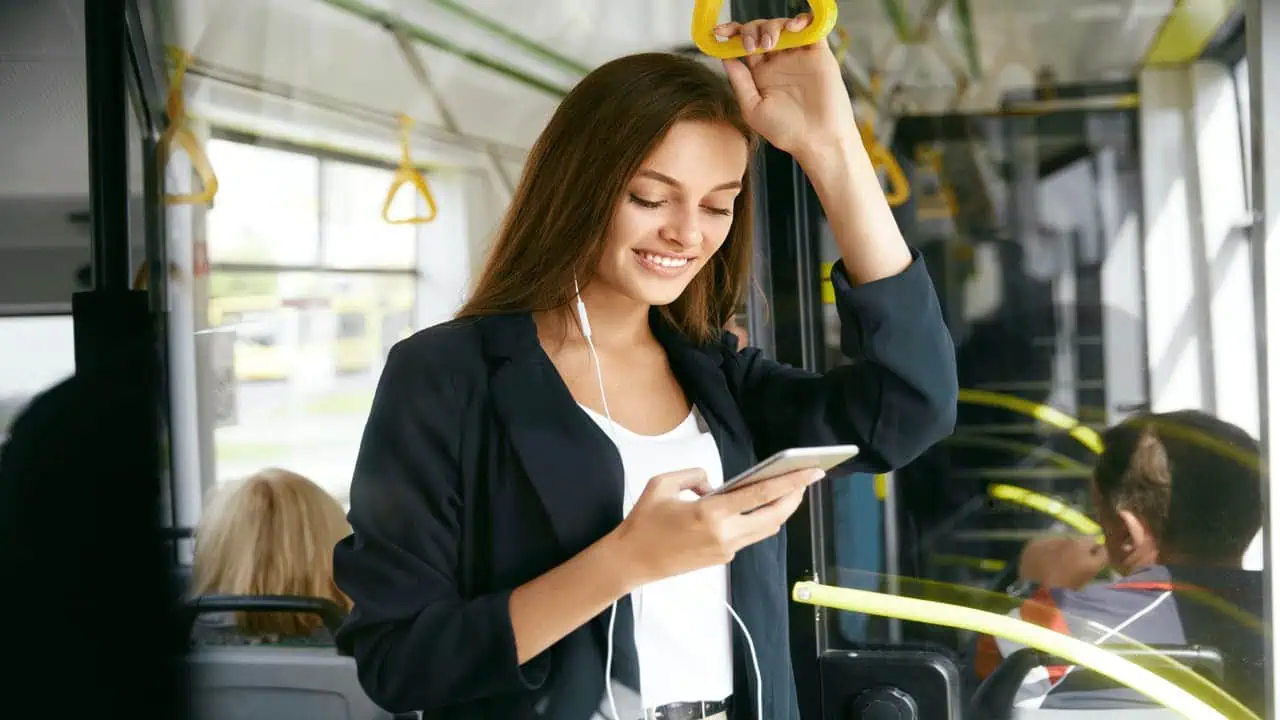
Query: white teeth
{"points": [[664, 261]]}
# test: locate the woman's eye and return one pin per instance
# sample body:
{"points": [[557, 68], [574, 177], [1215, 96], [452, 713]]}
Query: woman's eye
{"points": [[718, 211], [645, 203]]}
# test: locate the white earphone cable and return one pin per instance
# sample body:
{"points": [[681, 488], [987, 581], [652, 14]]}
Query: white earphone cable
{"points": [[613, 611]]}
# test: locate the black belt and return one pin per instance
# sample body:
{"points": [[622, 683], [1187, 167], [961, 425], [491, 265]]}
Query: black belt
{"points": [[688, 710]]}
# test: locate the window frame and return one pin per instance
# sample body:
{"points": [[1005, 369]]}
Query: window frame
{"points": [[323, 157]]}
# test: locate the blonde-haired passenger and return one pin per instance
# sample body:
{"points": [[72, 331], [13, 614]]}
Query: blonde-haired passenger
{"points": [[270, 534]]}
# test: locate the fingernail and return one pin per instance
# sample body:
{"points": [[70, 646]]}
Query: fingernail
{"points": [[816, 475]]}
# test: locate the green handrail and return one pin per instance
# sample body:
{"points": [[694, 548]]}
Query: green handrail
{"points": [[897, 14], [525, 43], [420, 34], [968, 39]]}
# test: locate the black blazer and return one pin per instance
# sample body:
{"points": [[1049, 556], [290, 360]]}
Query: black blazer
{"points": [[478, 472]]}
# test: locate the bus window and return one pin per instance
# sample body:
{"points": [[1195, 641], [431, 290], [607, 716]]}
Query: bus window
{"points": [[309, 344], [47, 357]]}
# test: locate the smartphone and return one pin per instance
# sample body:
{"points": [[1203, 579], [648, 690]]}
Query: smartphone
{"points": [[804, 458]]}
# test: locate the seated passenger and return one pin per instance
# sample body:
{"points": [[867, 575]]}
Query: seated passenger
{"points": [[1179, 497], [271, 534]]}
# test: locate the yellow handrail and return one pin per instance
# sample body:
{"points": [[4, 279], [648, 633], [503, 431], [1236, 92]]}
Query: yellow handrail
{"points": [[1016, 446], [1083, 434], [1047, 505], [408, 173], [177, 131], [706, 13], [1202, 704]]}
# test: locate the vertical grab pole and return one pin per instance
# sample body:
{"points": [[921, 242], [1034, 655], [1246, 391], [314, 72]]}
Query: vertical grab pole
{"points": [[105, 60], [1262, 20]]}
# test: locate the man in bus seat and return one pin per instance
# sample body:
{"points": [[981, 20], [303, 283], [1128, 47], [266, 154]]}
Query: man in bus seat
{"points": [[1179, 498]]}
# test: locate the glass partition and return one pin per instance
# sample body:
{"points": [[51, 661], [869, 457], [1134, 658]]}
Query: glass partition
{"points": [[1072, 316]]}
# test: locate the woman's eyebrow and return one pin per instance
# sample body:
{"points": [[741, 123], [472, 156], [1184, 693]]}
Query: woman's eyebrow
{"points": [[667, 179]]}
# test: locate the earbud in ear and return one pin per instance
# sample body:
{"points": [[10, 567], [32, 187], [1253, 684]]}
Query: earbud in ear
{"points": [[582, 309]]}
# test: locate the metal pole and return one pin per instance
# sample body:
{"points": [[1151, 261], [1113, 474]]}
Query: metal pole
{"points": [[1262, 23], [105, 61], [419, 70]]}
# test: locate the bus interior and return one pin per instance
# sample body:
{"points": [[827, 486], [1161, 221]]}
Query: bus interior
{"points": [[1090, 184]]}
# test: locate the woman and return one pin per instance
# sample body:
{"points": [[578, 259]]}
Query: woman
{"points": [[271, 534], [523, 474]]}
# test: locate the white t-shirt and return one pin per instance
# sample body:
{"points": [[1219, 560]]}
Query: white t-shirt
{"points": [[683, 632]]}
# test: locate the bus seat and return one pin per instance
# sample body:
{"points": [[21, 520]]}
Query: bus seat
{"points": [[995, 697], [273, 683]]}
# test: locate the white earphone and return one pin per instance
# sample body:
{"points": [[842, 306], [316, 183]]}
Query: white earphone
{"points": [[613, 611]]}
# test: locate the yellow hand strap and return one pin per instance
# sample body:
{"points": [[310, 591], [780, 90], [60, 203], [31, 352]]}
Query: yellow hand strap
{"points": [[407, 173], [178, 132]]}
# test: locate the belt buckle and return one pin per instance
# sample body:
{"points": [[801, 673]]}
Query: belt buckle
{"points": [[659, 713]]}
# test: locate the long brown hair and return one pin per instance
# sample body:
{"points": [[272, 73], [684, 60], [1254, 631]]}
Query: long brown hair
{"points": [[576, 174]]}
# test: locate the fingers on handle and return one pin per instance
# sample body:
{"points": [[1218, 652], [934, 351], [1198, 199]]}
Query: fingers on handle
{"points": [[776, 25], [727, 30]]}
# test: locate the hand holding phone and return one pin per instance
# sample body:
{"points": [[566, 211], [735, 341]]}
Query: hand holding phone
{"points": [[666, 534], [816, 458]]}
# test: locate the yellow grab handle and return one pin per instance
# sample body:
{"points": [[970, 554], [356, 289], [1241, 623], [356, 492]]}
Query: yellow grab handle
{"points": [[898, 189], [142, 278], [882, 159], [942, 205], [177, 131], [408, 174], [180, 134], [1192, 696], [706, 13]]}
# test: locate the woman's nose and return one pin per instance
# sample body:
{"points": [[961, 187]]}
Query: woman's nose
{"points": [[682, 228]]}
